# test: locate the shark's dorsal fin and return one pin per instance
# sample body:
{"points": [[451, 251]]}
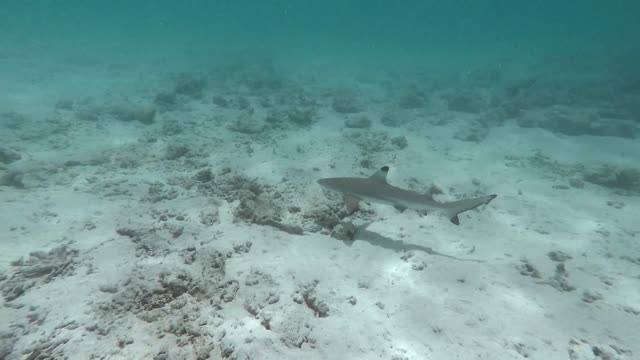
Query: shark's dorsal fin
{"points": [[380, 175]]}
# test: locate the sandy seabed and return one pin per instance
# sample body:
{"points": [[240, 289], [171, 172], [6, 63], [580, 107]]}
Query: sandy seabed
{"points": [[147, 215]]}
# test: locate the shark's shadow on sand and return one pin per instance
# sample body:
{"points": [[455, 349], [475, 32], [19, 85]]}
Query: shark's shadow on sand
{"points": [[376, 239]]}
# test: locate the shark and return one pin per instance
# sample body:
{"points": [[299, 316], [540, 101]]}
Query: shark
{"points": [[376, 189]]}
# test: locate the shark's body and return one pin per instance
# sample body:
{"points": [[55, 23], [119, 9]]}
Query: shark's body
{"points": [[376, 189]]}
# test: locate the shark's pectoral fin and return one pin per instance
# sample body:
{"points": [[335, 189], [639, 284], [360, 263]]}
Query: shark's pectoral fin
{"points": [[400, 208], [455, 220], [351, 203]]}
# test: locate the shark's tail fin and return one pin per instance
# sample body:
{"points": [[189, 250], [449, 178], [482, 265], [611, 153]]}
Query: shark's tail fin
{"points": [[452, 209]]}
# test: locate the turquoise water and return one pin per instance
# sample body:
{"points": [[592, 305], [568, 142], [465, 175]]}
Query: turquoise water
{"points": [[455, 32]]}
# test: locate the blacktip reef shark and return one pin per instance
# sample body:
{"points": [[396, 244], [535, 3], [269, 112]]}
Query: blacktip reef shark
{"points": [[376, 189]]}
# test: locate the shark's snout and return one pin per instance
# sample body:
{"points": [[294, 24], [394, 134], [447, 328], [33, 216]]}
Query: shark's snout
{"points": [[324, 183]]}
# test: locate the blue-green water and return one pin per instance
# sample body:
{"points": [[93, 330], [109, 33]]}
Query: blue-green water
{"points": [[451, 32]]}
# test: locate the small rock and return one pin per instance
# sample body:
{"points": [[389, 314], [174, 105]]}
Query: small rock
{"points": [[345, 105], [166, 100], [576, 183], [361, 122], [300, 116], [411, 100], [246, 124], [220, 101], [190, 86], [400, 142], [209, 216], [174, 152], [124, 340], [112, 289], [393, 120], [130, 112], [527, 269], [344, 231], [7, 156], [467, 103], [204, 175], [559, 256], [615, 204], [591, 296], [64, 105]]}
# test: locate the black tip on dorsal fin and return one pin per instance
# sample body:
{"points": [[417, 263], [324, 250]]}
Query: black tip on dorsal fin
{"points": [[380, 175]]}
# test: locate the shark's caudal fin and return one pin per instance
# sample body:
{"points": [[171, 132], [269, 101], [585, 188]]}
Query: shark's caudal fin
{"points": [[452, 209]]}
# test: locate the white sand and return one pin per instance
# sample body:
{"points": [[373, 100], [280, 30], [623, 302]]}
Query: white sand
{"points": [[145, 277]]}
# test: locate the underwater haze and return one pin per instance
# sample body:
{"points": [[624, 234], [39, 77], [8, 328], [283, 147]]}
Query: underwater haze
{"points": [[319, 180], [380, 32]]}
